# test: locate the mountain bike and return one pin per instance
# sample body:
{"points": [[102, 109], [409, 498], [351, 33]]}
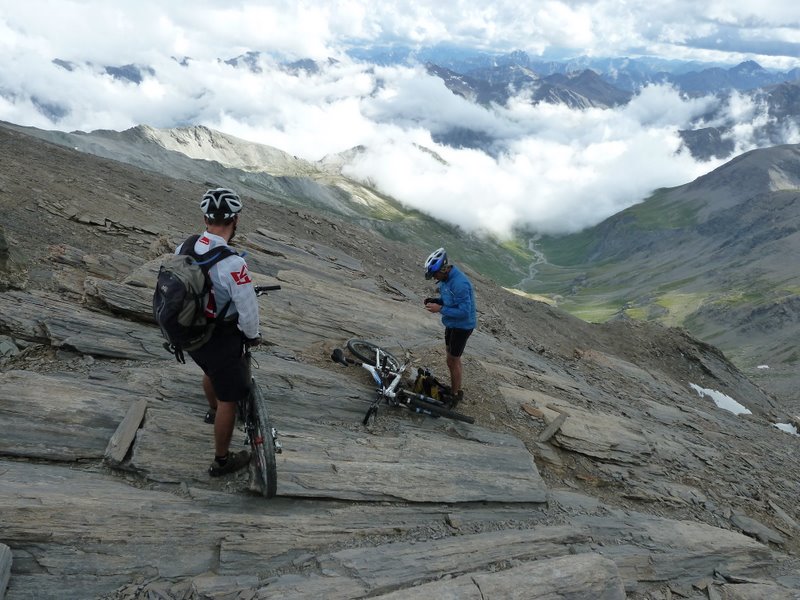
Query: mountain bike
{"points": [[387, 372], [260, 434]]}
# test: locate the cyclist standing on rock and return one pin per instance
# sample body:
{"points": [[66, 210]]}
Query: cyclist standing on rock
{"points": [[456, 305], [233, 302]]}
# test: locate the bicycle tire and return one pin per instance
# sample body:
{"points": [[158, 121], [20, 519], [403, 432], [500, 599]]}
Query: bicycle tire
{"points": [[263, 444], [435, 408], [369, 418], [365, 352]]}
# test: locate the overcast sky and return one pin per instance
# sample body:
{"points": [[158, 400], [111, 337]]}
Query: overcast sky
{"points": [[561, 170]]}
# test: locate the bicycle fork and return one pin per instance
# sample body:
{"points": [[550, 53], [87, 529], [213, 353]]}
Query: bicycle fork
{"points": [[250, 430], [273, 437]]}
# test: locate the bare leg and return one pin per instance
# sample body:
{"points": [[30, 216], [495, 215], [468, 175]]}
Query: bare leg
{"points": [[208, 390], [454, 365], [223, 427]]}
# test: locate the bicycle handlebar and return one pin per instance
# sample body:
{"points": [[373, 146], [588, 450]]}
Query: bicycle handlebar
{"points": [[260, 290], [338, 356], [263, 289]]}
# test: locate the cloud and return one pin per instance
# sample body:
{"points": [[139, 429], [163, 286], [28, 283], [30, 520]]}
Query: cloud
{"points": [[562, 170], [552, 169], [127, 31], [556, 170]]}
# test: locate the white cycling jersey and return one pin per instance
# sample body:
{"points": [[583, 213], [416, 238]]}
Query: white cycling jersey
{"points": [[229, 281]]}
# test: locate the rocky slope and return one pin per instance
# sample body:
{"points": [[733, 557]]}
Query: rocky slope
{"points": [[199, 154], [595, 470]]}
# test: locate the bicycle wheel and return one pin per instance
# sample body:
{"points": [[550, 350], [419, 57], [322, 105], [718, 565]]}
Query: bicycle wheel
{"points": [[365, 352], [369, 418], [434, 407], [263, 443]]}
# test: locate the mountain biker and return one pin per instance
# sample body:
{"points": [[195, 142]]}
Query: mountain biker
{"points": [[456, 305], [225, 380]]}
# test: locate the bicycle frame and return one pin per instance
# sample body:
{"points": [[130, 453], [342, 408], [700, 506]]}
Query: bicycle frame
{"points": [[379, 374], [388, 379]]}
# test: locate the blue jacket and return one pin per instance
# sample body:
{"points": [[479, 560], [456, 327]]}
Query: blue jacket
{"points": [[458, 301]]}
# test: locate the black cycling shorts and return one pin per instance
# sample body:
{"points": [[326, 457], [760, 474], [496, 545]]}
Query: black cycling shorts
{"points": [[222, 359], [456, 340]]}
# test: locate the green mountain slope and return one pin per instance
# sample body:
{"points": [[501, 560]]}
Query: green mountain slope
{"points": [[716, 256]]}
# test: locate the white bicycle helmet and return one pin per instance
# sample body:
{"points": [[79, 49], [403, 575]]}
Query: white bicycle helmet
{"points": [[221, 203], [434, 262]]}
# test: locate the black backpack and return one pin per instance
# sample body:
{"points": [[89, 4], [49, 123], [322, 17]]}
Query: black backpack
{"points": [[181, 296]]}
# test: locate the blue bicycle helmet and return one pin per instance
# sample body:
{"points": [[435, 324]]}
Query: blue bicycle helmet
{"points": [[434, 262]]}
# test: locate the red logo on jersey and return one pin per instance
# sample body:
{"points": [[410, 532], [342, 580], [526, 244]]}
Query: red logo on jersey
{"points": [[204, 240], [241, 277]]}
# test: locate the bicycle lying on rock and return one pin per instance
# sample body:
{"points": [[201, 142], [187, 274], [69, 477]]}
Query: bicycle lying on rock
{"points": [[260, 434], [387, 372]]}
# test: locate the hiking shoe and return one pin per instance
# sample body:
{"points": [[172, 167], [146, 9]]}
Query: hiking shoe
{"points": [[210, 416], [457, 398], [236, 461]]}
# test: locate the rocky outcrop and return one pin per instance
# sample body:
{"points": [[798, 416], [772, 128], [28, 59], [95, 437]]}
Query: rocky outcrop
{"points": [[592, 470]]}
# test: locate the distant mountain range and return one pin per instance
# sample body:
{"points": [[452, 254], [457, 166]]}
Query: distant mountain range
{"points": [[582, 89], [493, 78], [627, 74], [580, 83], [587, 89]]}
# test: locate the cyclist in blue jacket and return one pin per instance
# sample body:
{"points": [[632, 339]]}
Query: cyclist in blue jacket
{"points": [[456, 305]]}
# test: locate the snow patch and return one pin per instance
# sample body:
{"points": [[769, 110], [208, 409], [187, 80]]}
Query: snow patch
{"points": [[787, 427], [721, 400]]}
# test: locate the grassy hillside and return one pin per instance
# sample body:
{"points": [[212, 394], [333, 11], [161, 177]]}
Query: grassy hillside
{"points": [[714, 256]]}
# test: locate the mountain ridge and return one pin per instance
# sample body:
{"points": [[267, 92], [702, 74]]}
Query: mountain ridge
{"points": [[691, 255], [689, 243], [319, 185], [579, 82]]}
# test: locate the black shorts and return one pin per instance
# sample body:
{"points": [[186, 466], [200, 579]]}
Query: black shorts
{"points": [[222, 359], [456, 340]]}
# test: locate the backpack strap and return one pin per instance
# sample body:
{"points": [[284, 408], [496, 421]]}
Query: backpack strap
{"points": [[205, 264], [187, 247]]}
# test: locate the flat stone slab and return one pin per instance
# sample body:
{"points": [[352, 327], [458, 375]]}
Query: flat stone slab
{"points": [[579, 577], [576, 577], [593, 433], [59, 417], [402, 563], [328, 453], [49, 319], [5, 568], [406, 464]]}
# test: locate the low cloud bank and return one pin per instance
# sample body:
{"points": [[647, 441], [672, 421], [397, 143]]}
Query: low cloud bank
{"points": [[552, 169]]}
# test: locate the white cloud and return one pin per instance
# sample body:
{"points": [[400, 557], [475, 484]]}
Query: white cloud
{"points": [[555, 169], [563, 169], [127, 31]]}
